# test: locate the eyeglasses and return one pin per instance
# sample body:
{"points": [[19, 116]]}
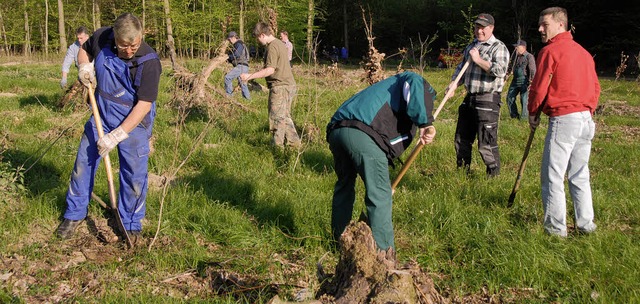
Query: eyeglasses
{"points": [[132, 47]]}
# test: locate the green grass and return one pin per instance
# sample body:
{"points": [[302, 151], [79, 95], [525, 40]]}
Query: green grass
{"points": [[242, 206]]}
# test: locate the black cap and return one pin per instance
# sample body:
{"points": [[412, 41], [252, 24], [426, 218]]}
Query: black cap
{"points": [[232, 34], [521, 42], [485, 19]]}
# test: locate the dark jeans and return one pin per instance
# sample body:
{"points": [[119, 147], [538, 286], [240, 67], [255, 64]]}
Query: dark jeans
{"points": [[516, 88], [478, 117]]}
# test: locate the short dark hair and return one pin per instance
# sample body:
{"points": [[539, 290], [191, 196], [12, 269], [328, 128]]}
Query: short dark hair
{"points": [[82, 30], [262, 28], [558, 14]]}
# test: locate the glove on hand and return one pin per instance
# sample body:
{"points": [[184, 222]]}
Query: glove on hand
{"points": [[111, 140], [533, 122], [87, 75], [63, 83]]}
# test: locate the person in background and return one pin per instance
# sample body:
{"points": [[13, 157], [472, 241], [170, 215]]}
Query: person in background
{"points": [[284, 36], [369, 131], [239, 58], [126, 73], [282, 87], [344, 54], [82, 34], [566, 88], [524, 68], [479, 112]]}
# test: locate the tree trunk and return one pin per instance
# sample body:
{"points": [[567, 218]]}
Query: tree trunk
{"points": [[311, 15], [46, 28], [170, 42], [61, 29], [96, 15], [241, 21], [144, 17], [27, 32], [345, 20], [5, 46]]}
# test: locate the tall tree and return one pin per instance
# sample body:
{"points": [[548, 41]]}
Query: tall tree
{"points": [[46, 27], [61, 29], [5, 45], [345, 20], [96, 15], [311, 15], [241, 20], [27, 31], [170, 42]]}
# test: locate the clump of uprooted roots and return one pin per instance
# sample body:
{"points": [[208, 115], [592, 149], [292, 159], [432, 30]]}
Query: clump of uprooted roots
{"points": [[366, 275], [192, 90]]}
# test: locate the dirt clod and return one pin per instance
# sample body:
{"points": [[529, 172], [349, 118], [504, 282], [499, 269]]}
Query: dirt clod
{"points": [[366, 275]]}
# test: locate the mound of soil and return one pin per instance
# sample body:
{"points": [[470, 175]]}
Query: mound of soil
{"points": [[366, 275]]}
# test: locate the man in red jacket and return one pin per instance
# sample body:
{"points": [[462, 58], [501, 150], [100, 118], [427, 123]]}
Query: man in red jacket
{"points": [[566, 88]]}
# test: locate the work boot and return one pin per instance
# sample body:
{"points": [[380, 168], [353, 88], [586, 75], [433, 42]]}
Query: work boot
{"points": [[67, 228], [135, 236], [493, 172]]}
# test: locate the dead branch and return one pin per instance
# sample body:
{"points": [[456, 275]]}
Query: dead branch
{"points": [[373, 62]]}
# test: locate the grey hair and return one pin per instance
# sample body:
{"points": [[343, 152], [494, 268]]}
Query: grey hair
{"points": [[127, 27]]}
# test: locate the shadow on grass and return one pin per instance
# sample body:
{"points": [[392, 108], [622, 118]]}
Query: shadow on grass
{"points": [[226, 188], [318, 161], [47, 101]]}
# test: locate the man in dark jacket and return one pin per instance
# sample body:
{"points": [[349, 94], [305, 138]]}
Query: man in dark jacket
{"points": [[524, 68], [239, 58], [367, 132]]}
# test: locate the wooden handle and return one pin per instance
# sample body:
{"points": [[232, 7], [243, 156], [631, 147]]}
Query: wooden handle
{"points": [[107, 165], [419, 146]]}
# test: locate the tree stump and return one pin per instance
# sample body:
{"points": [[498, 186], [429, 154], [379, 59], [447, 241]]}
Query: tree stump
{"points": [[366, 275]]}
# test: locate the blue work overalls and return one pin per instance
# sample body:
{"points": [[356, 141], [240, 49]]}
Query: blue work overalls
{"points": [[116, 96]]}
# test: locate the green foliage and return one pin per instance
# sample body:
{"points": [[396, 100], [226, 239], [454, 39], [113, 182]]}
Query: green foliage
{"points": [[11, 181], [240, 206]]}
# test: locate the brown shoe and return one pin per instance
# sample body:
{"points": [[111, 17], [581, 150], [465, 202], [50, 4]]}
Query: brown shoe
{"points": [[67, 228]]}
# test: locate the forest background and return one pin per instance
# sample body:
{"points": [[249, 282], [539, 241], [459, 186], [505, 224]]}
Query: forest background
{"points": [[47, 27]]}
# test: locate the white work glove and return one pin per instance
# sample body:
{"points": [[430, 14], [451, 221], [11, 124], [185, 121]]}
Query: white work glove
{"points": [[533, 122], [87, 75], [111, 140], [63, 83], [427, 134]]}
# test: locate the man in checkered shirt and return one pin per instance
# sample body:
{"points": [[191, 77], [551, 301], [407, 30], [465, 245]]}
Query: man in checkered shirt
{"points": [[479, 113]]}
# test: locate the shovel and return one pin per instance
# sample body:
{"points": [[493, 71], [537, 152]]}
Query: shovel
{"points": [[419, 146], [107, 165]]}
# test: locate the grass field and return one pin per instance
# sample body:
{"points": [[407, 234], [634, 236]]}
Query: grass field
{"points": [[240, 209]]}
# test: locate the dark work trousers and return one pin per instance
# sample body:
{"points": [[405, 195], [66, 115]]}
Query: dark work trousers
{"points": [[478, 116]]}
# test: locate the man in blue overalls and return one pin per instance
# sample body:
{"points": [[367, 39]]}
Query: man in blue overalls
{"points": [[126, 78]]}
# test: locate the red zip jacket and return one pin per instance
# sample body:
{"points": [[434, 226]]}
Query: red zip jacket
{"points": [[574, 85]]}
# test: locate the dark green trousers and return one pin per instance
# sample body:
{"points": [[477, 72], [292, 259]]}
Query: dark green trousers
{"points": [[355, 153]]}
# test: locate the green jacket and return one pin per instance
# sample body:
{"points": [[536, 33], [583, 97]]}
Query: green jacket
{"points": [[389, 111]]}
